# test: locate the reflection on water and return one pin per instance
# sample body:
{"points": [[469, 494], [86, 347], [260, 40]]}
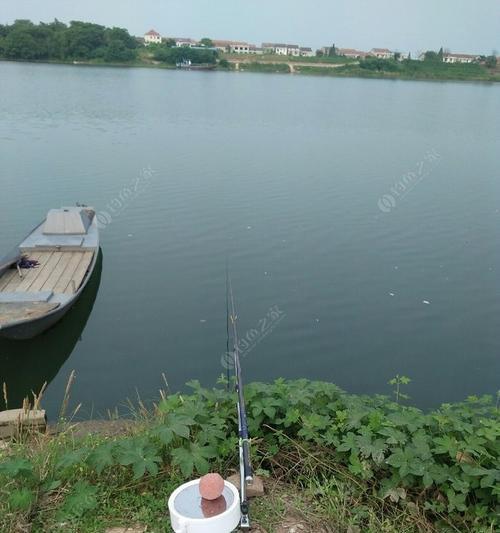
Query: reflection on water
{"points": [[26, 365]]}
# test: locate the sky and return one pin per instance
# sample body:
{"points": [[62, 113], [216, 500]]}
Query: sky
{"points": [[458, 25]]}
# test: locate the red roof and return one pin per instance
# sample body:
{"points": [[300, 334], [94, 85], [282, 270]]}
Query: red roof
{"points": [[153, 33]]}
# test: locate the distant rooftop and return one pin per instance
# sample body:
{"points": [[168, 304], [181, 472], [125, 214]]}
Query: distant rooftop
{"points": [[153, 33], [279, 45], [228, 43], [461, 56]]}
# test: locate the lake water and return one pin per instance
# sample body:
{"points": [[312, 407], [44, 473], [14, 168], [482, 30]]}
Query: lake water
{"points": [[346, 203]]}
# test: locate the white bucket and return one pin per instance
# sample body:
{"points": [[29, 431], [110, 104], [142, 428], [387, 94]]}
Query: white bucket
{"points": [[186, 513]]}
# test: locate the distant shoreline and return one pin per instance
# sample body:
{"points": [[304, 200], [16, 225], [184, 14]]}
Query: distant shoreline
{"points": [[278, 67]]}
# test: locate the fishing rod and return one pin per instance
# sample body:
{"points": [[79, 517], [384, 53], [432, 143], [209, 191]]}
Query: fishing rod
{"points": [[246, 475]]}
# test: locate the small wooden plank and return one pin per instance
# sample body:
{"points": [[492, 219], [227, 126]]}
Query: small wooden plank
{"points": [[57, 272], [70, 269], [30, 274], [46, 271], [15, 420], [15, 312], [79, 274], [6, 278]]}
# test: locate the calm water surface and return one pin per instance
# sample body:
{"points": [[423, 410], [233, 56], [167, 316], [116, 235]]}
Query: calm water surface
{"points": [[283, 176]]}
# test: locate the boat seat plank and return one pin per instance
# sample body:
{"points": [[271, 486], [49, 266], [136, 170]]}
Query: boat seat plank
{"points": [[15, 312], [30, 274], [68, 273], [17, 297], [79, 274]]}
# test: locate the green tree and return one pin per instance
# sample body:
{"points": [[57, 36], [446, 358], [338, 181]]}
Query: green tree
{"points": [[117, 51], [83, 39], [430, 55], [491, 61], [208, 43], [20, 44]]}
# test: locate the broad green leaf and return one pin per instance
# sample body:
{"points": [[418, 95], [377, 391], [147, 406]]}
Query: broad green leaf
{"points": [[72, 458], [183, 458], [101, 457], [81, 499]]}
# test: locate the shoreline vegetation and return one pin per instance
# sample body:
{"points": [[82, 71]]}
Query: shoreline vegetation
{"points": [[82, 43], [330, 461]]}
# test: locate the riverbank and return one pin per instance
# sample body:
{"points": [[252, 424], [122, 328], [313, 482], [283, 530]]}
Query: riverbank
{"points": [[329, 460], [415, 71]]}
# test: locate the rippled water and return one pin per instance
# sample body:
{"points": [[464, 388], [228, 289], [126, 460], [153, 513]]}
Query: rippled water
{"points": [[283, 176]]}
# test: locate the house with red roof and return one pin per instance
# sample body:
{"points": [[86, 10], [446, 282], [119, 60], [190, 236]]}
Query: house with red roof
{"points": [[382, 53], [152, 37]]}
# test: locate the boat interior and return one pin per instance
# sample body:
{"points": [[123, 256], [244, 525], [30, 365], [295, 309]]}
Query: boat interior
{"points": [[58, 272], [50, 266], [25, 292]]}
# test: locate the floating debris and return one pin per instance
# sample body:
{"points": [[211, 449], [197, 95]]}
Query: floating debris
{"points": [[391, 294], [426, 302], [202, 320]]}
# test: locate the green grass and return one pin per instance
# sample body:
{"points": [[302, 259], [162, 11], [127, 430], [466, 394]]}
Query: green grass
{"points": [[409, 70], [255, 66], [354, 463]]}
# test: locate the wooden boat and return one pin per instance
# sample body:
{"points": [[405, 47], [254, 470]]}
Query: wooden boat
{"points": [[64, 247]]}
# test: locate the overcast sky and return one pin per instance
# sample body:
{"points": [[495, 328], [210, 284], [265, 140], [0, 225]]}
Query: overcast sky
{"points": [[460, 25]]}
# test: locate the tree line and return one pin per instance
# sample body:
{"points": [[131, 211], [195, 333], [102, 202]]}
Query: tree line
{"points": [[57, 41]]}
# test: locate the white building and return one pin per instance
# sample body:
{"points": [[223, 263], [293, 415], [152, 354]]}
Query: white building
{"points": [[233, 47], [382, 53], [152, 37], [182, 42], [239, 48], [281, 49], [459, 58], [306, 52]]}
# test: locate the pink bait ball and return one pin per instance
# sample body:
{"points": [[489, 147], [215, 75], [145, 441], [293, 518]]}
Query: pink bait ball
{"points": [[211, 486]]}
